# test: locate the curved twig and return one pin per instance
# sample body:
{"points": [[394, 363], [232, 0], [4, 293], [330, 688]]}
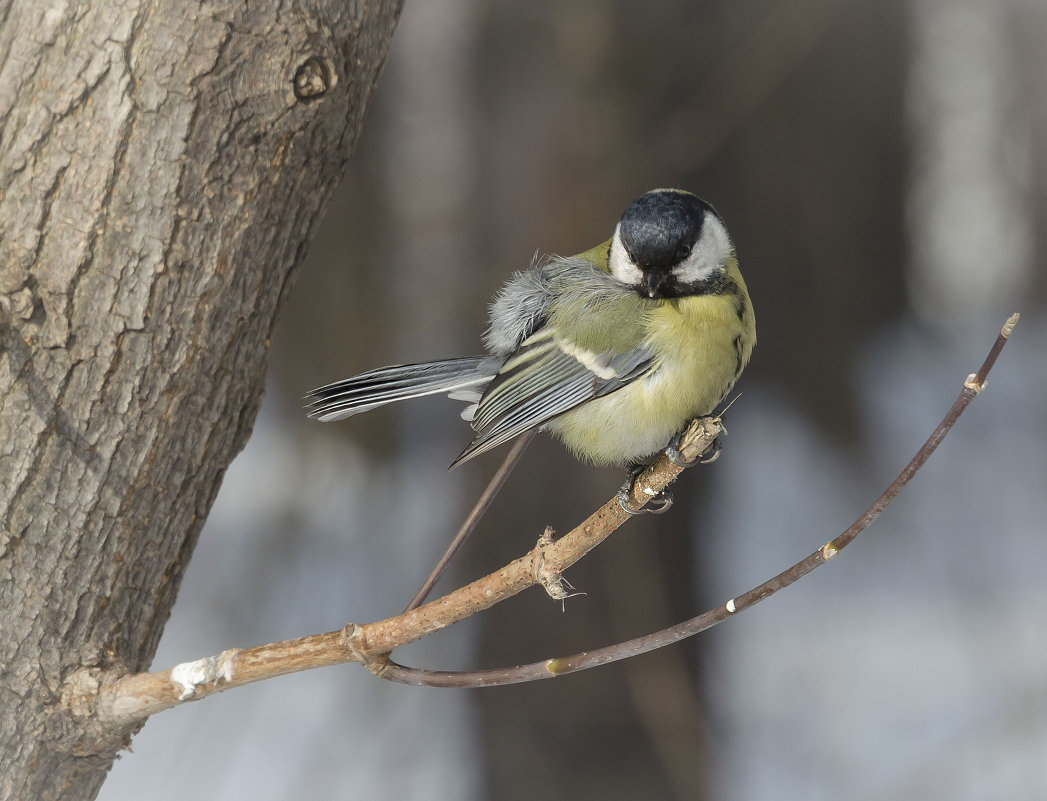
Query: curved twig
{"points": [[549, 668]]}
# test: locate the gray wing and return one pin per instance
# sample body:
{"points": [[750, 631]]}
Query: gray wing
{"points": [[376, 388], [542, 380]]}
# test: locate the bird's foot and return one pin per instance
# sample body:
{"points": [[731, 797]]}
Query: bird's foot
{"points": [[657, 504], [660, 503], [712, 453]]}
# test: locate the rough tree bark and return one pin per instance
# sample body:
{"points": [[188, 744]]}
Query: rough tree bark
{"points": [[161, 168]]}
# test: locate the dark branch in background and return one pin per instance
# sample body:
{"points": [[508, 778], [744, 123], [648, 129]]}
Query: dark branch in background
{"points": [[111, 698], [481, 506], [557, 667]]}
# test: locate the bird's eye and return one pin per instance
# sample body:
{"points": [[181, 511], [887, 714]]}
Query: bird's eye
{"points": [[682, 252]]}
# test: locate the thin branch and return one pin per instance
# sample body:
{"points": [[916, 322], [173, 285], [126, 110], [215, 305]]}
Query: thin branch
{"points": [[478, 511], [549, 668], [121, 699]]}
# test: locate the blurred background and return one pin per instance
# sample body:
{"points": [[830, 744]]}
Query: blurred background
{"points": [[882, 167]]}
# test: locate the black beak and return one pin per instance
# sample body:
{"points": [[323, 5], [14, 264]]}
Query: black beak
{"points": [[652, 282]]}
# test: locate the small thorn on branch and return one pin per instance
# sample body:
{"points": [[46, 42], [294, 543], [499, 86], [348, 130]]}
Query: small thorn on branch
{"points": [[554, 584], [977, 383]]}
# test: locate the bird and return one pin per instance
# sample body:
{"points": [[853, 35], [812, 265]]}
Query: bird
{"points": [[613, 350]]}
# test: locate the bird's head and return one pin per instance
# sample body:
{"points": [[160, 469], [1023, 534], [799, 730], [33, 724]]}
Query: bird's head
{"points": [[669, 244]]}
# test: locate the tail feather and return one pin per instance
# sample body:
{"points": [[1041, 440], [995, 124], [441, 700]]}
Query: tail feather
{"points": [[388, 384]]}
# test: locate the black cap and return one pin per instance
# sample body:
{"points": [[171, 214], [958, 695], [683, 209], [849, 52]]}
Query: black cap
{"points": [[659, 229]]}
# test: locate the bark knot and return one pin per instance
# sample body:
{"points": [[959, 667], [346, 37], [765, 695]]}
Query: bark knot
{"points": [[312, 79]]}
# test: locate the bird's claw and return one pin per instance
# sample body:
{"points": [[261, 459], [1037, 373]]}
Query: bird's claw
{"points": [[657, 505], [661, 502], [713, 452], [672, 451]]}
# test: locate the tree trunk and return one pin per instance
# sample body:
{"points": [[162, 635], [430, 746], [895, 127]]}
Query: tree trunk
{"points": [[161, 168]]}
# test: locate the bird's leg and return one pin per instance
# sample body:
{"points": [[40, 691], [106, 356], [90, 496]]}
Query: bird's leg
{"points": [[657, 505], [660, 503], [672, 450]]}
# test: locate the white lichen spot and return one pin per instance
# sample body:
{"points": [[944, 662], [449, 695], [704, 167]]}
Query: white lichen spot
{"points": [[211, 669], [649, 492], [187, 676], [225, 665]]}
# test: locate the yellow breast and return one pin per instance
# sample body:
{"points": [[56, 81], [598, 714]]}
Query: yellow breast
{"points": [[702, 343]]}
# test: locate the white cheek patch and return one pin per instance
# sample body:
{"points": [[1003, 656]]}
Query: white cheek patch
{"points": [[708, 254], [620, 264]]}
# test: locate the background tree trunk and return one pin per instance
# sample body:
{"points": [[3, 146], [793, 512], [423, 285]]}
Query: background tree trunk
{"points": [[161, 169]]}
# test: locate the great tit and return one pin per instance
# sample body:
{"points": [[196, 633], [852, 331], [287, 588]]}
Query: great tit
{"points": [[613, 350]]}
